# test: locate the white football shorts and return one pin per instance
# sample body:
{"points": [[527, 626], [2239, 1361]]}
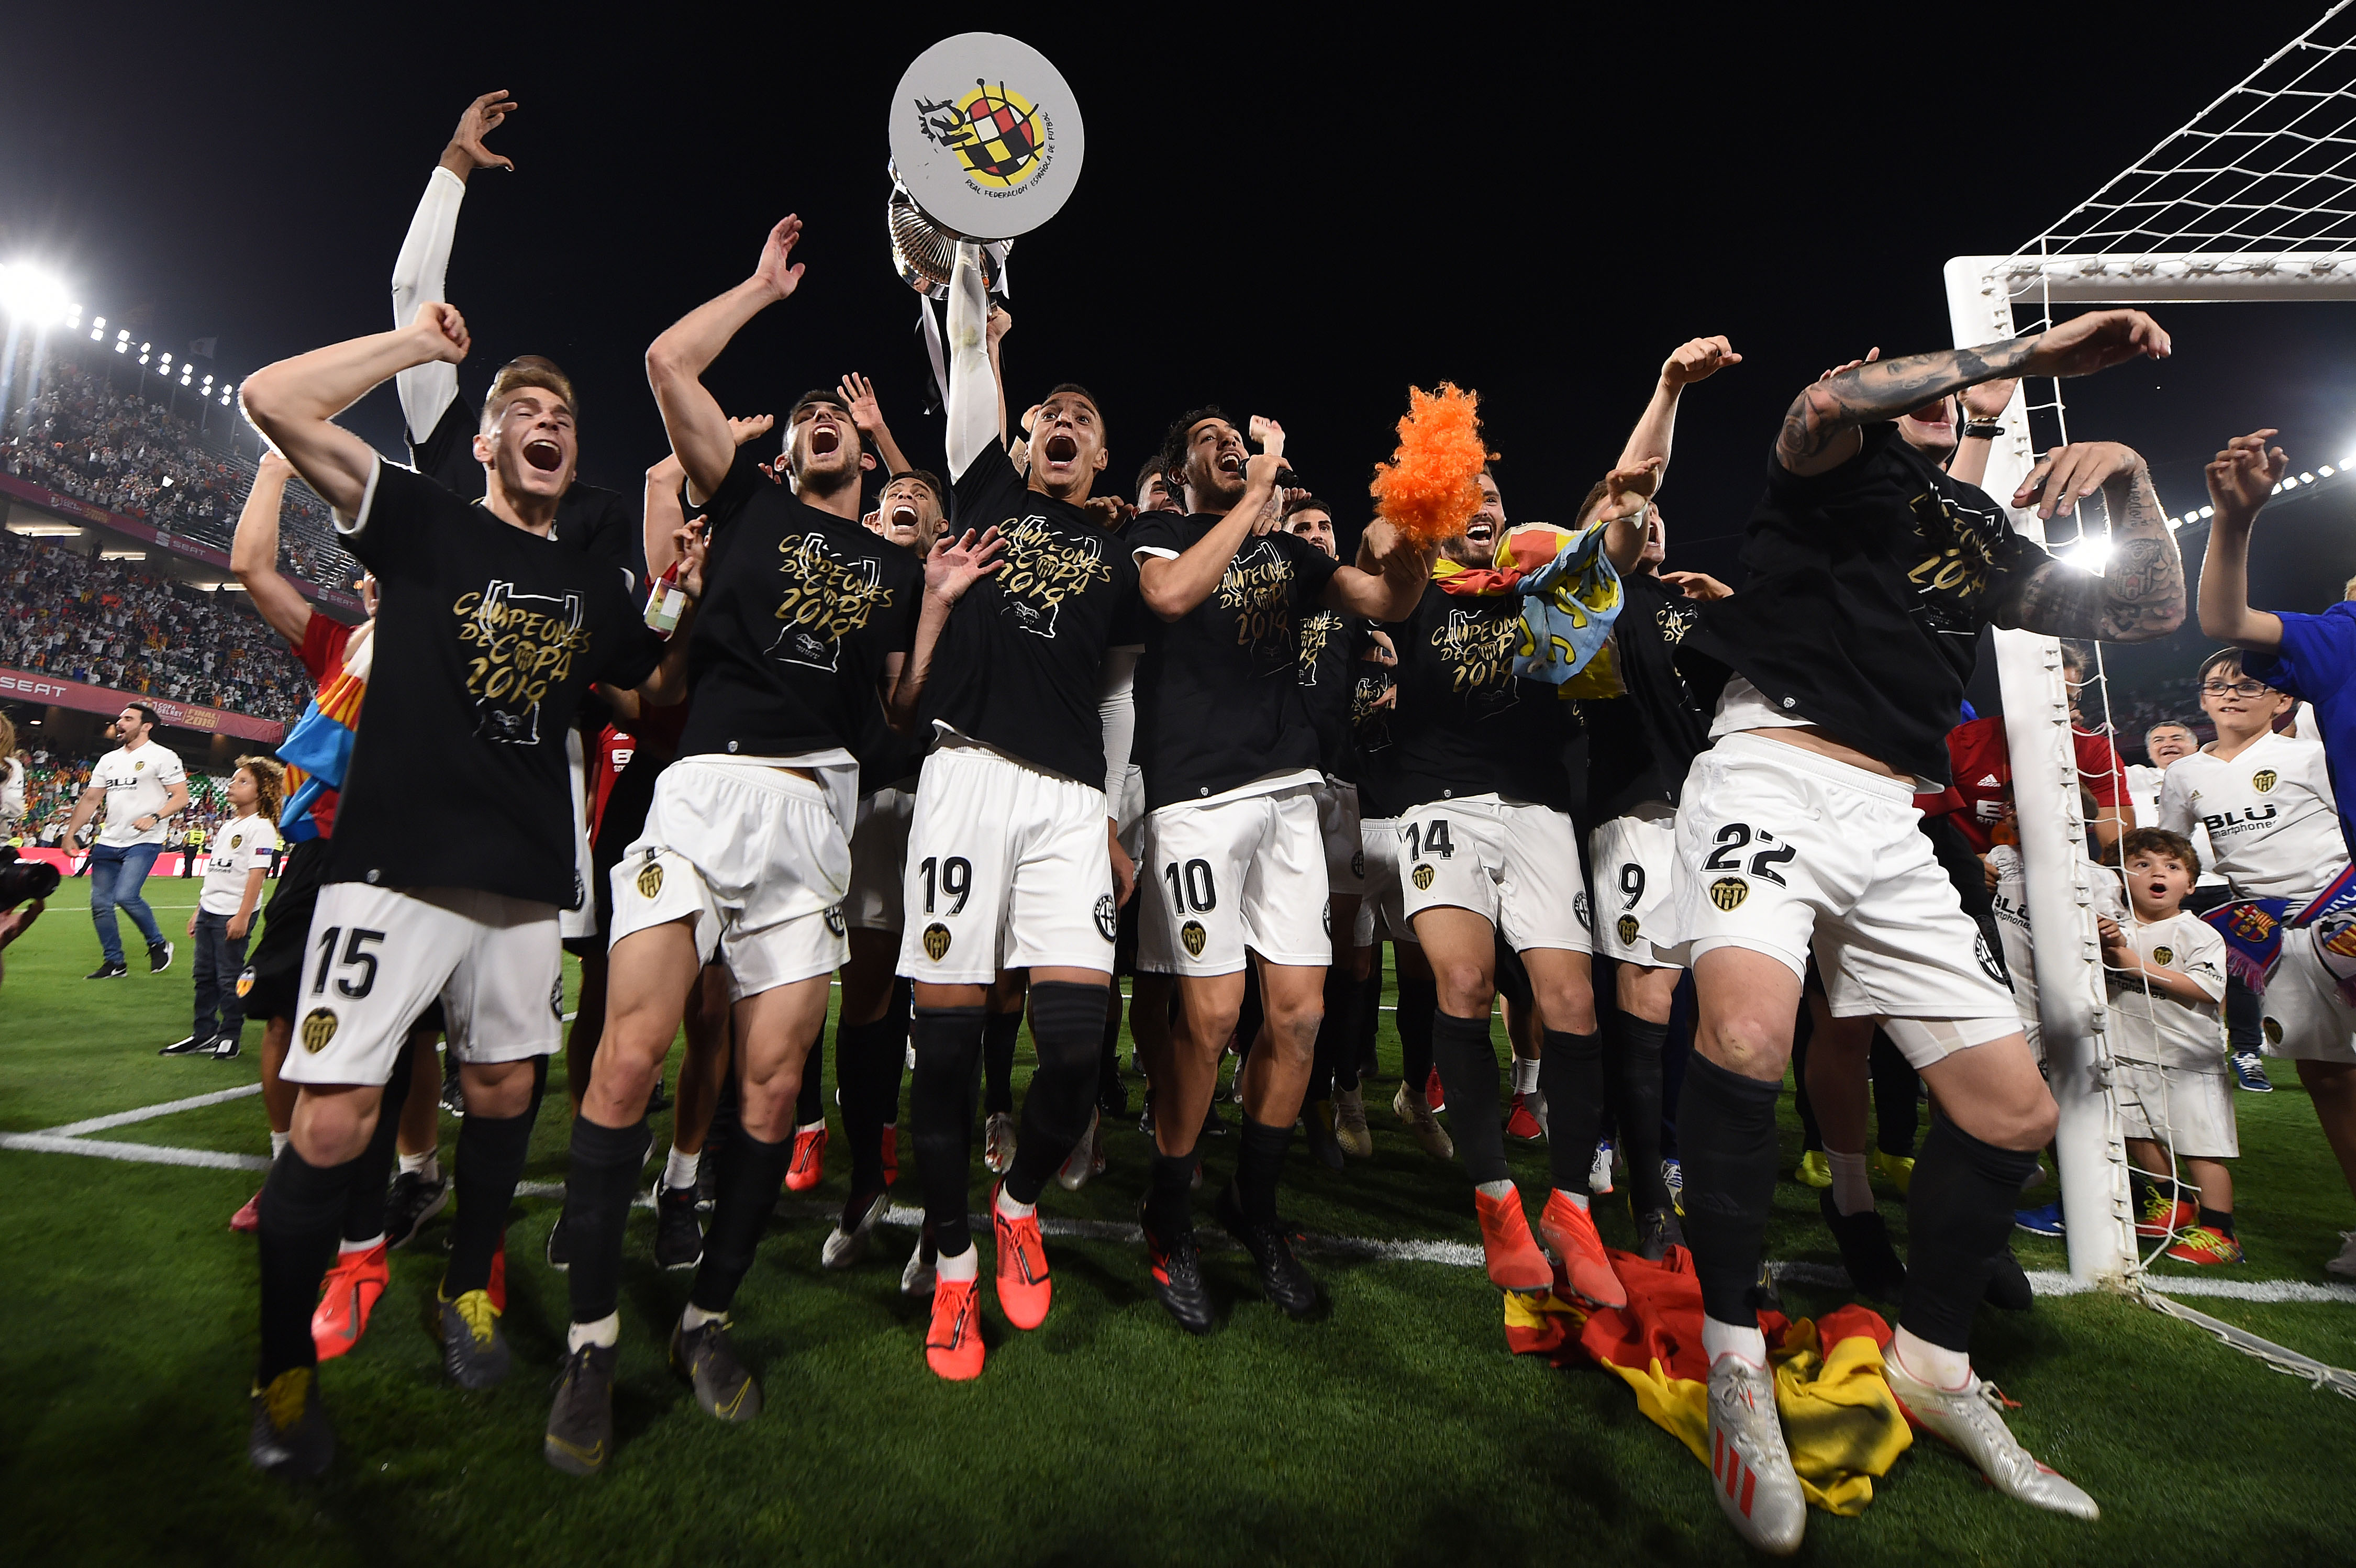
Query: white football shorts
{"points": [[754, 858], [378, 957], [1382, 910], [1780, 849], [879, 849], [1008, 868], [1513, 862], [1635, 858], [2304, 1014], [1220, 877], [1345, 844]]}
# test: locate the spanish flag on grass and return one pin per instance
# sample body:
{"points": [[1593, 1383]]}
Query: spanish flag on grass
{"points": [[1844, 1425]]}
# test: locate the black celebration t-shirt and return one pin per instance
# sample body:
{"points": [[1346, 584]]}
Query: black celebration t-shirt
{"points": [[603, 524], [1022, 665], [800, 610], [487, 637], [1641, 740], [1219, 699], [1466, 723], [1867, 589], [1372, 704], [1329, 644], [890, 757]]}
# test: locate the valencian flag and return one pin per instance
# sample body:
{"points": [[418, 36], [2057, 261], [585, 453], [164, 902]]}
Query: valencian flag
{"points": [[1844, 1425], [318, 748], [1570, 596]]}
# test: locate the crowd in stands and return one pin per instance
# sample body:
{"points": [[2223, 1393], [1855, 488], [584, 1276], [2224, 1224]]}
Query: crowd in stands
{"points": [[108, 623], [83, 436]]}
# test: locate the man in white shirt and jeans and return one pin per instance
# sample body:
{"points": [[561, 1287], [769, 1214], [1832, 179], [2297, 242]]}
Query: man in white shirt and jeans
{"points": [[144, 787]]}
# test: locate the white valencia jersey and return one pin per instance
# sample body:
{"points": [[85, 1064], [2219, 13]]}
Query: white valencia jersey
{"points": [[136, 783], [2269, 813], [240, 846], [2143, 788], [2156, 1027]]}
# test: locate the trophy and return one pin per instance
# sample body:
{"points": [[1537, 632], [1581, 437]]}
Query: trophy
{"points": [[986, 144]]}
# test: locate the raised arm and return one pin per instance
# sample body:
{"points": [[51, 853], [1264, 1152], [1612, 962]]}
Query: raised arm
{"points": [[253, 553], [1386, 581], [994, 331], [1984, 405], [676, 361], [955, 565], [2140, 594], [663, 518], [2243, 475], [295, 402], [977, 409], [419, 272], [1821, 428], [858, 394]]}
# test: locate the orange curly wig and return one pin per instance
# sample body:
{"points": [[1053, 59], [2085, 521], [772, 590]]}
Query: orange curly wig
{"points": [[1429, 489]]}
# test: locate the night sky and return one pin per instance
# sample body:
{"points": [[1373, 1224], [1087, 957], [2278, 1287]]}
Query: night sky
{"points": [[1295, 219]]}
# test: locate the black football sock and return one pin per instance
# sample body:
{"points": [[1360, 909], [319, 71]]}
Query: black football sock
{"points": [[1260, 1166], [864, 1055], [1726, 1123], [491, 1154], [940, 1113], [1370, 1016], [1337, 1036], [751, 1175], [810, 1105], [1418, 1002], [1570, 1076], [1169, 1201], [2141, 1185], [1897, 1114], [364, 1200], [2218, 1220], [1633, 1060], [1468, 1074], [997, 1038], [1959, 1212], [600, 1181], [1068, 1031], [301, 1206]]}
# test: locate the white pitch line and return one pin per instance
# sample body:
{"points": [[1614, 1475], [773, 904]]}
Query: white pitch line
{"points": [[148, 1112], [1455, 1254], [143, 1154]]}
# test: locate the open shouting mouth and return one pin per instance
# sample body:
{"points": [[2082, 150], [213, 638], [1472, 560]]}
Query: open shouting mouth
{"points": [[825, 440], [1060, 449], [543, 453]]}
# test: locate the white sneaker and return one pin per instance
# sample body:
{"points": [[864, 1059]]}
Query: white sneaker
{"points": [[1971, 1419], [997, 1142], [844, 1247], [1409, 1106], [1350, 1124], [1087, 1158], [2344, 1265], [1751, 1465], [916, 1279], [1535, 1100], [1599, 1175]]}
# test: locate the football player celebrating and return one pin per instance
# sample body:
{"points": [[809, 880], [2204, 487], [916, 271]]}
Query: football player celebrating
{"points": [[1842, 663], [1640, 741], [746, 852], [497, 633], [1013, 862], [1235, 855], [1487, 852]]}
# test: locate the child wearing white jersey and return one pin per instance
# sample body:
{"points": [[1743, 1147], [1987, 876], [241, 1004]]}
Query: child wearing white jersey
{"points": [[2167, 973]]}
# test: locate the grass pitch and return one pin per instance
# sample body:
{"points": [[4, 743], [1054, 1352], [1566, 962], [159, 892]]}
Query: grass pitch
{"points": [[1392, 1429]]}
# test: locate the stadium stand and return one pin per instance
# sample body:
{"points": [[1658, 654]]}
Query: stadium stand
{"points": [[110, 624], [84, 436]]}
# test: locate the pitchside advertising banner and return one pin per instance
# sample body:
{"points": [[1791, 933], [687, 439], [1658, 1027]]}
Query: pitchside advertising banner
{"points": [[27, 686], [70, 507]]}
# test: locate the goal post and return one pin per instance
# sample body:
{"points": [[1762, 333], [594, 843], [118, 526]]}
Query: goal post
{"points": [[2071, 1005]]}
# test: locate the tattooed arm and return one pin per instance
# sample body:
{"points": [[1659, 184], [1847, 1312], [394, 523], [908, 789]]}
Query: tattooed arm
{"points": [[2140, 594], [1821, 428]]}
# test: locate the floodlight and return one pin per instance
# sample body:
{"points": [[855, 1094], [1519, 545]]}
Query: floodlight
{"points": [[33, 296]]}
